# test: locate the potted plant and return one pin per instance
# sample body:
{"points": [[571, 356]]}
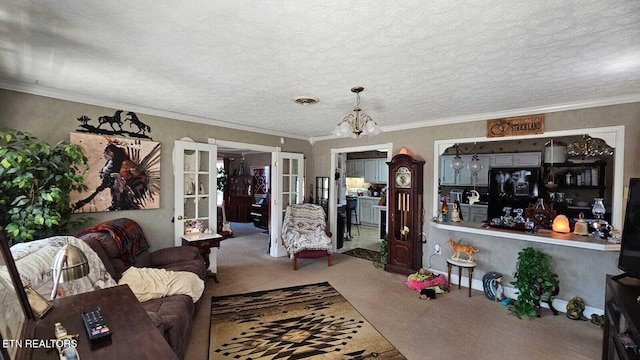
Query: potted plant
{"points": [[535, 280], [36, 182], [380, 260]]}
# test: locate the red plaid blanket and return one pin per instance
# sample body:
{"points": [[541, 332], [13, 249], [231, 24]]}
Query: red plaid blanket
{"points": [[127, 234]]}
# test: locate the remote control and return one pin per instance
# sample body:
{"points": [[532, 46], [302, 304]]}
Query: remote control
{"points": [[95, 325]]}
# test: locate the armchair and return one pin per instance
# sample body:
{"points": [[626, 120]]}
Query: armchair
{"points": [[304, 233]]}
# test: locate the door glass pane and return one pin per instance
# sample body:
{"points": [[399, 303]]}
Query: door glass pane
{"points": [[294, 166], [286, 185], [203, 158], [189, 160], [189, 208], [189, 184], [286, 167], [294, 198], [203, 184], [294, 184], [285, 201], [203, 207]]}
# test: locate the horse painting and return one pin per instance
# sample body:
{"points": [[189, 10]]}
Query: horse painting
{"points": [[142, 127], [115, 119]]}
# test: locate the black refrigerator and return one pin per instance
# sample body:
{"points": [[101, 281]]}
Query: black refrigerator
{"points": [[512, 187]]}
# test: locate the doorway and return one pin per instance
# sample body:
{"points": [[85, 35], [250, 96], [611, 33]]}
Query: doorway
{"points": [[286, 184], [361, 236]]}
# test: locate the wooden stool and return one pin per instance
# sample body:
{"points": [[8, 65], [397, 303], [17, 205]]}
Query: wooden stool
{"points": [[460, 264]]}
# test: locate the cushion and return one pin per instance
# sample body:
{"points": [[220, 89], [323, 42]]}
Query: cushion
{"points": [[150, 283], [33, 260]]}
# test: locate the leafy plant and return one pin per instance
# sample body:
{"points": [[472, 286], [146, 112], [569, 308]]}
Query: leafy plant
{"points": [[380, 259], [222, 179], [534, 279], [37, 180]]}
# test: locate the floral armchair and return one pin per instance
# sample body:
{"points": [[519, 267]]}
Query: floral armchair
{"points": [[304, 233]]}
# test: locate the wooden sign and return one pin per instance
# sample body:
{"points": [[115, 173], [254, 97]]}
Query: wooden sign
{"points": [[514, 126]]}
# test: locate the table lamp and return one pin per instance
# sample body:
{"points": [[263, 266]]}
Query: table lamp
{"points": [[69, 263]]}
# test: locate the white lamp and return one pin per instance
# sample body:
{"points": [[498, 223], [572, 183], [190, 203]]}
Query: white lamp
{"points": [[70, 263]]}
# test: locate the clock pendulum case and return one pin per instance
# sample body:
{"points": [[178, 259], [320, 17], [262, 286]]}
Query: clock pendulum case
{"points": [[405, 214]]}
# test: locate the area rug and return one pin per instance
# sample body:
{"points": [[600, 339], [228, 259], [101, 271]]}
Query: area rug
{"points": [[300, 322], [362, 253]]}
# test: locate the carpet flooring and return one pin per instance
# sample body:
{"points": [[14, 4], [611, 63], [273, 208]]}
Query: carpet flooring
{"points": [[298, 322], [362, 253]]}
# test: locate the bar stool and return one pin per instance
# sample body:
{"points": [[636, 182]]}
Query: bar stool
{"points": [[352, 209]]}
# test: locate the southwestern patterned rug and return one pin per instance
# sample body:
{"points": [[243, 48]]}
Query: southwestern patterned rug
{"points": [[300, 322], [362, 253]]}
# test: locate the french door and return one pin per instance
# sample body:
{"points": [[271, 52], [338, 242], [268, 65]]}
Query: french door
{"points": [[287, 189], [195, 174]]}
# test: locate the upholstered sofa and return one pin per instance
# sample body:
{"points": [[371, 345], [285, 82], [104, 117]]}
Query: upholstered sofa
{"points": [[173, 315], [104, 246]]}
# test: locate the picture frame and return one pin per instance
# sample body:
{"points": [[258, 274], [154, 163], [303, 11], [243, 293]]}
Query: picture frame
{"points": [[39, 305]]}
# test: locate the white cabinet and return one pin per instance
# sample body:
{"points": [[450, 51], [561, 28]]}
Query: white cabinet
{"points": [[516, 159], [383, 171], [368, 215], [355, 168], [464, 178], [482, 178], [447, 173], [375, 171], [472, 213], [371, 171], [477, 213]]}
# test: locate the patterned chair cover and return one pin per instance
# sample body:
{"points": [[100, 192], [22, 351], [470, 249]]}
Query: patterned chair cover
{"points": [[304, 229]]}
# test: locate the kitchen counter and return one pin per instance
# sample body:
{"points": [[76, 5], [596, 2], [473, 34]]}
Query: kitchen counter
{"points": [[543, 236]]}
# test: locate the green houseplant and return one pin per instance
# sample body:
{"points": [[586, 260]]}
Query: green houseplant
{"points": [[380, 259], [37, 180], [535, 280]]}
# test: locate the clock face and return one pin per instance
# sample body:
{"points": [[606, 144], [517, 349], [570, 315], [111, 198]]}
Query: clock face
{"points": [[403, 177]]}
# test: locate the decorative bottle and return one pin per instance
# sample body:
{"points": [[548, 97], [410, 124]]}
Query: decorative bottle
{"points": [[445, 210]]}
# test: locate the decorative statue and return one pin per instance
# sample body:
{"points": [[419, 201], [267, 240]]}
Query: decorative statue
{"points": [[474, 197], [468, 250], [492, 284], [456, 215]]}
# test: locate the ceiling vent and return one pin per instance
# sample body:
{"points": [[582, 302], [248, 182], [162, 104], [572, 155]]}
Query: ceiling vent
{"points": [[305, 100]]}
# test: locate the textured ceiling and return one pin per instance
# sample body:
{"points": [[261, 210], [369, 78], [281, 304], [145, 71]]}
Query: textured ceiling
{"points": [[241, 63]]}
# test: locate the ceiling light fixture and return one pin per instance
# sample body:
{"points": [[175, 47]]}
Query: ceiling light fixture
{"points": [[457, 163], [357, 124], [475, 165]]}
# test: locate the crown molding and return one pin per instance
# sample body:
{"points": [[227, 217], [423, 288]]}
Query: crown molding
{"points": [[576, 105], [62, 95], [625, 99]]}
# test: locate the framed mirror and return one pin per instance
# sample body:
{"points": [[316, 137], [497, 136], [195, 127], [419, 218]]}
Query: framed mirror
{"points": [[16, 318]]}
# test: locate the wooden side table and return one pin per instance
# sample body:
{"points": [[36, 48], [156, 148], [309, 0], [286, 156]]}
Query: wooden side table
{"points": [[460, 264], [134, 336], [208, 245]]}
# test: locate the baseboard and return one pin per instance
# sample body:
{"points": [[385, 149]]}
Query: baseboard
{"points": [[511, 292]]}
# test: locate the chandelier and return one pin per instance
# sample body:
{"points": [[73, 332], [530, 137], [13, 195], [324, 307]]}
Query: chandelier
{"points": [[358, 123]]}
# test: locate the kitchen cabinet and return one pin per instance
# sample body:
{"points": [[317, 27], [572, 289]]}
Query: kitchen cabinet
{"points": [[368, 215], [375, 171], [472, 213], [532, 159], [355, 168], [383, 171], [477, 213], [464, 178]]}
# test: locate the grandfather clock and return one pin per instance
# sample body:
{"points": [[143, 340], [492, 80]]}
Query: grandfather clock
{"points": [[405, 214]]}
